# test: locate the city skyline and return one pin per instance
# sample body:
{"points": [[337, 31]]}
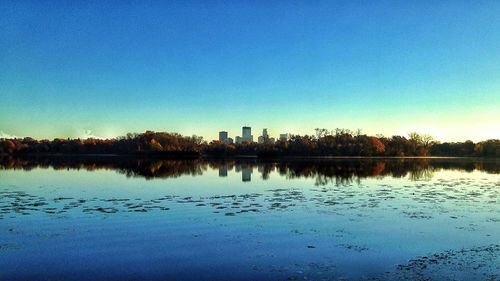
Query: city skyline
{"points": [[274, 135], [107, 69], [246, 136]]}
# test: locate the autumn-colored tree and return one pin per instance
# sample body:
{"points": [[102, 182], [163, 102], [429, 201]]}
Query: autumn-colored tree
{"points": [[378, 146]]}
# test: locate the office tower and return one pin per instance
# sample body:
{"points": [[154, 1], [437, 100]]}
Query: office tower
{"points": [[223, 137], [265, 135], [246, 134]]}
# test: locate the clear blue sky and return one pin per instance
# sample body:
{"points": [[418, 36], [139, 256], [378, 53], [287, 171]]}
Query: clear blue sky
{"points": [[104, 68]]}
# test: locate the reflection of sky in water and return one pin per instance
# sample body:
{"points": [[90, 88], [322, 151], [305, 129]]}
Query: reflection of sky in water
{"points": [[230, 222]]}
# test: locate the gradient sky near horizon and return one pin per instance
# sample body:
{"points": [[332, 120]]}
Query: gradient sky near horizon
{"points": [[105, 68]]}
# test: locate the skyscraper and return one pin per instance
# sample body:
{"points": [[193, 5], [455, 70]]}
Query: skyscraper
{"points": [[265, 137], [223, 136], [246, 134]]}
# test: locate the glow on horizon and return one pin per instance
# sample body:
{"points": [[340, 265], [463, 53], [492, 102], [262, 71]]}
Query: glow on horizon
{"points": [[106, 69]]}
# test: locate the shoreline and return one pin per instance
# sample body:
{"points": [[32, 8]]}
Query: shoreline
{"points": [[193, 156]]}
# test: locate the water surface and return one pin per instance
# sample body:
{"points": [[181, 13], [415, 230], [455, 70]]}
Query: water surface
{"points": [[115, 218]]}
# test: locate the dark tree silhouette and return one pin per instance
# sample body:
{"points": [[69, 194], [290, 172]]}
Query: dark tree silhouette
{"points": [[340, 142]]}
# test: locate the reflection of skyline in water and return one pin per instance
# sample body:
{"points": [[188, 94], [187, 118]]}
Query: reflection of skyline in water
{"points": [[223, 171], [336, 171], [245, 169]]}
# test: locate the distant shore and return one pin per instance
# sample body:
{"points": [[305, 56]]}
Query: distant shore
{"points": [[193, 156], [340, 144]]}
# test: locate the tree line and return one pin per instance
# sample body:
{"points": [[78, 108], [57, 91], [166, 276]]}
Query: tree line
{"points": [[152, 143], [340, 142], [343, 142]]}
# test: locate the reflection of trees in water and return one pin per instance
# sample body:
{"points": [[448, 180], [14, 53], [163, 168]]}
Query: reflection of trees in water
{"points": [[330, 171], [324, 180], [421, 174], [164, 169], [130, 166], [345, 172]]}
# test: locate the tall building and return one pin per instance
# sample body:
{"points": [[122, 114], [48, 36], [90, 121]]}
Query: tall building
{"points": [[265, 137], [264, 134], [283, 137], [238, 140], [223, 137], [246, 134]]}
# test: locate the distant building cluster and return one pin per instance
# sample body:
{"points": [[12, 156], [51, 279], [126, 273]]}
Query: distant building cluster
{"points": [[246, 136]]}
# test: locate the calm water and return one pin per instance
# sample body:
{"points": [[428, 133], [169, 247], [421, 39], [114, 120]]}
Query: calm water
{"points": [[115, 218]]}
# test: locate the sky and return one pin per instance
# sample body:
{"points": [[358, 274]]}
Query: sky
{"points": [[105, 68]]}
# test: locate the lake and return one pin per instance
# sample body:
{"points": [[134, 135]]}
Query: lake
{"points": [[123, 218]]}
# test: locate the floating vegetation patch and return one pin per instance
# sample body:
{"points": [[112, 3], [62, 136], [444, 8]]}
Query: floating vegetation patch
{"points": [[448, 197], [8, 247], [356, 248], [477, 263]]}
